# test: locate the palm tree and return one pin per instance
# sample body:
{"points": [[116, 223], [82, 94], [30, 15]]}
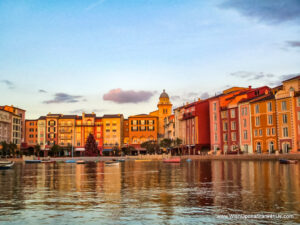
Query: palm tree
{"points": [[12, 148]]}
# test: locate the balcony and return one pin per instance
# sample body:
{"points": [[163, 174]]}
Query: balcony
{"points": [[188, 115]]}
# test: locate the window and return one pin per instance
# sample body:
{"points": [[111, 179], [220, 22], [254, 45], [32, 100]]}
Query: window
{"points": [[298, 115], [224, 114], [233, 125], [215, 106], [225, 137], [260, 132], [257, 108], [245, 135], [271, 146], [255, 133], [246, 111], [283, 105], [268, 132], [142, 122], [245, 122], [258, 147], [232, 113], [225, 126], [107, 130], [284, 118], [243, 111], [216, 137], [257, 121], [233, 136], [273, 131], [285, 132], [215, 126], [215, 116], [269, 106], [270, 119]]}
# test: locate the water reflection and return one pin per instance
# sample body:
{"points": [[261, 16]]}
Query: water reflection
{"points": [[148, 192]]}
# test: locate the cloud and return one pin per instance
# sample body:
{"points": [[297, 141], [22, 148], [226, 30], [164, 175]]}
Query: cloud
{"points": [[130, 96], [64, 98], [8, 83], [288, 76], [204, 95], [175, 98], [79, 111], [293, 44], [269, 11], [250, 76], [42, 91]]}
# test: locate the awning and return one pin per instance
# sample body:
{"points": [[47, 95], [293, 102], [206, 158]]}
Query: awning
{"points": [[79, 149], [107, 150]]}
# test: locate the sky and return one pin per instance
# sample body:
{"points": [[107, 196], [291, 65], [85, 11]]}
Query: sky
{"points": [[116, 56]]}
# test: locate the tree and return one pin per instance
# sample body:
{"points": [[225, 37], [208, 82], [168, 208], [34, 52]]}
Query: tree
{"points": [[166, 143], [12, 148], [54, 150], [4, 148], [177, 142], [91, 148], [37, 149], [151, 146], [116, 150]]}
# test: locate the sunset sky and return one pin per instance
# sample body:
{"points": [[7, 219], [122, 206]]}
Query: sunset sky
{"points": [[116, 56]]}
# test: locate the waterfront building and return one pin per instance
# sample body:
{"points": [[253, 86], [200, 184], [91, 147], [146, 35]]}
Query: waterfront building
{"points": [[126, 132], [197, 125], [51, 130], [5, 126], [112, 131], [180, 125], [164, 110], [21, 113], [31, 133], [41, 126], [142, 128], [169, 124], [287, 115], [263, 124], [245, 128], [66, 130]]}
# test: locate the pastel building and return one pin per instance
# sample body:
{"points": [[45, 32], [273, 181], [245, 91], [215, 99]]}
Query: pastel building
{"points": [[41, 126], [31, 132], [112, 131], [287, 115], [142, 128], [264, 127], [126, 132], [169, 124], [5, 126], [180, 125]]}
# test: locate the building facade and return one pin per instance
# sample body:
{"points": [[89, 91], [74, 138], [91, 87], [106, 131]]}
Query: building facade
{"points": [[5, 126]]}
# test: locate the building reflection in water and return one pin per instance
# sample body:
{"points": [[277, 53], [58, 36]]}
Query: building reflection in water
{"points": [[153, 188]]}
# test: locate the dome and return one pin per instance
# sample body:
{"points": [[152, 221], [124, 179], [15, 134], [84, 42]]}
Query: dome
{"points": [[164, 95]]}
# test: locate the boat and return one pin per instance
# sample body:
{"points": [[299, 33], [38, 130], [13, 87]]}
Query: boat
{"points": [[172, 160], [70, 161], [121, 160], [189, 160], [4, 165], [287, 161], [48, 161], [143, 160], [80, 162], [111, 163], [33, 161]]}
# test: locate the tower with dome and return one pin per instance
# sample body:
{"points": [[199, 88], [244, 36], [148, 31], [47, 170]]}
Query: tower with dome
{"points": [[164, 110]]}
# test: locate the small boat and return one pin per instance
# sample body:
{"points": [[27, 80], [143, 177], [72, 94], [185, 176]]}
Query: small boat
{"points": [[70, 161], [189, 160], [172, 160], [143, 160], [4, 165], [80, 162], [121, 160], [33, 161], [48, 161], [111, 163], [287, 161]]}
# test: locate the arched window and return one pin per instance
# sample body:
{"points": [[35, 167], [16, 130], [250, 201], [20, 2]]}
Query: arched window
{"points": [[271, 146]]}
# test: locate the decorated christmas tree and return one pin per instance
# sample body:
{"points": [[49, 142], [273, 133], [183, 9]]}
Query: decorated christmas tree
{"points": [[91, 146]]}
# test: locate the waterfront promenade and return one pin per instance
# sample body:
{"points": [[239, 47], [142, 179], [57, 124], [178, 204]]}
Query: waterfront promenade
{"points": [[196, 157]]}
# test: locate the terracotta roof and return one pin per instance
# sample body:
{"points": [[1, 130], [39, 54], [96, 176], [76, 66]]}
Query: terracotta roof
{"points": [[90, 115], [293, 78], [42, 118], [112, 115], [68, 117], [264, 98]]}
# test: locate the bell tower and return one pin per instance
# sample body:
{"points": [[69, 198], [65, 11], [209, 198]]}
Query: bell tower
{"points": [[164, 110]]}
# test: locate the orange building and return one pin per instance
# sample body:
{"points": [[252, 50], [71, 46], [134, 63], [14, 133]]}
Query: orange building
{"points": [[126, 132], [263, 124], [142, 128], [31, 133], [287, 115]]}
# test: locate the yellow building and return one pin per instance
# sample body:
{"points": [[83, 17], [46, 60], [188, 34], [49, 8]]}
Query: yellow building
{"points": [[164, 110], [287, 115], [66, 126], [112, 131]]}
